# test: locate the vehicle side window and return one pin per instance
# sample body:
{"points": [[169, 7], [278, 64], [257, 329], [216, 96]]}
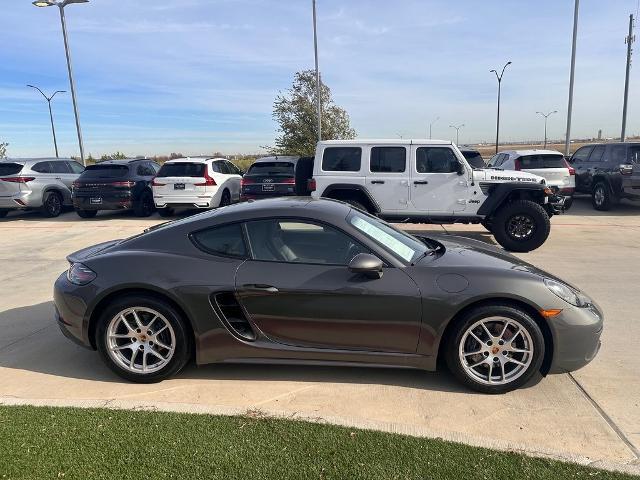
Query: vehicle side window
{"points": [[145, 170], [233, 170], [300, 241], [60, 167], [227, 240], [224, 168], [436, 160], [634, 154], [492, 161], [341, 159], [504, 157], [507, 163], [155, 167], [42, 167], [617, 154], [596, 154], [581, 154], [76, 167], [388, 159], [215, 166]]}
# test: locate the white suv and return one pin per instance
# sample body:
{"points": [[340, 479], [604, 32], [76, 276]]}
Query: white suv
{"points": [[196, 183], [430, 181], [549, 164]]}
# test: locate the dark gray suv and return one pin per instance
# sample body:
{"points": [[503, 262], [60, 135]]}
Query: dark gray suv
{"points": [[42, 183]]}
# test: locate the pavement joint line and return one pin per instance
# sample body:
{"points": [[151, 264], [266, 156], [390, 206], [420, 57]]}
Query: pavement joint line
{"points": [[630, 467], [24, 338], [605, 416]]}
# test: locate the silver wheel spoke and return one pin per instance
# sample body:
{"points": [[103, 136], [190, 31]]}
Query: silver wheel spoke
{"points": [[120, 335], [504, 329], [152, 320], [490, 371], [133, 359], [121, 347], [144, 361], [137, 318], [162, 345], [502, 375], [477, 338], [513, 360], [518, 350], [126, 323], [161, 330], [487, 330], [156, 354], [473, 353]]}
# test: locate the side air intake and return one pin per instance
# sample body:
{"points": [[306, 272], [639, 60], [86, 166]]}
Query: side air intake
{"points": [[231, 312]]}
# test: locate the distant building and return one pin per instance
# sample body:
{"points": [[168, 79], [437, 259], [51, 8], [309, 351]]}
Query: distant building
{"points": [[600, 134]]}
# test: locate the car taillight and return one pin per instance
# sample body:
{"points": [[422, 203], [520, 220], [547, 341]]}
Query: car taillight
{"points": [[127, 184], [572, 171], [76, 184], [311, 184], [17, 179], [289, 181], [155, 183], [246, 181], [209, 181], [517, 164], [80, 274], [626, 169]]}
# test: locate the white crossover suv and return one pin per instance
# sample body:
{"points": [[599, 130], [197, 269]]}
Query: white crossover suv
{"points": [[196, 183]]}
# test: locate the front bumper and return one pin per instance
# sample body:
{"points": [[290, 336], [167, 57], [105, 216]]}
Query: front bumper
{"points": [[70, 311], [576, 337]]}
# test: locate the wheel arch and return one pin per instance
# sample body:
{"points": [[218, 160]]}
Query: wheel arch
{"points": [[503, 301], [342, 191], [66, 196], [507, 192]]}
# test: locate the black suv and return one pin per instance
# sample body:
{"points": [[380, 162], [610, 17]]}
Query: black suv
{"points": [[277, 177], [116, 185], [608, 172]]}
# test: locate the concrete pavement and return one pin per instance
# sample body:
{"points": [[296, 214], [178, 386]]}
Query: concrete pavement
{"points": [[591, 416]]}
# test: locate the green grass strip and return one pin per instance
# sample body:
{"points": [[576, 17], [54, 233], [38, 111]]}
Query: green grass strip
{"points": [[70, 443]]}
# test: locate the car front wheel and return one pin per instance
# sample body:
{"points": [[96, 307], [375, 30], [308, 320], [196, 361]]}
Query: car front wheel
{"points": [[143, 339], [521, 226], [495, 348]]}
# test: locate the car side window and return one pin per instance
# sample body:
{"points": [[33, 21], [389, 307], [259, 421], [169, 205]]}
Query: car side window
{"points": [[233, 170], [388, 159], [582, 154], [227, 240], [300, 241], [60, 167], [617, 154], [634, 154], [492, 161], [596, 154], [42, 167], [154, 167], [436, 160], [224, 168], [144, 170], [215, 166], [341, 159], [75, 167]]}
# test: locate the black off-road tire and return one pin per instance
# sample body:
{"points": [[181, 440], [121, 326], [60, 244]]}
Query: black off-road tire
{"points": [[183, 345], [87, 213], [521, 211], [452, 347], [51, 205]]}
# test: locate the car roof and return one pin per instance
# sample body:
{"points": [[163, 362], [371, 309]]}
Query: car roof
{"points": [[26, 161], [384, 141], [609, 143], [467, 148], [195, 160], [124, 161], [277, 158], [534, 151]]}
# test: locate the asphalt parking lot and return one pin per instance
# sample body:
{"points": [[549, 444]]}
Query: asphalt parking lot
{"points": [[592, 415]]}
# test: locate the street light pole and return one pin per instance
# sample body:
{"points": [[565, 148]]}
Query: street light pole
{"points": [[546, 116], [61, 4], [318, 85], [567, 140], [629, 41], [431, 125], [499, 77], [53, 128], [457, 127]]}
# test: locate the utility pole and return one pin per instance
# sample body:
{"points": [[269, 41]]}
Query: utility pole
{"points": [[499, 78], [457, 127], [53, 128], [431, 125], [318, 84], [546, 116], [629, 41], [567, 140]]}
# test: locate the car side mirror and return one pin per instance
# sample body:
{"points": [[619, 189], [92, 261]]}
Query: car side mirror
{"points": [[366, 264]]}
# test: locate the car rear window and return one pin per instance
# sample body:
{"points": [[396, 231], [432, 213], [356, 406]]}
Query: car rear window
{"points": [[341, 159], [10, 168], [542, 161], [182, 169], [105, 171], [272, 169]]}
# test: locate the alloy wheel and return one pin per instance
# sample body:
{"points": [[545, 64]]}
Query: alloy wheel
{"points": [[140, 340], [599, 195], [496, 350], [53, 205], [520, 227]]}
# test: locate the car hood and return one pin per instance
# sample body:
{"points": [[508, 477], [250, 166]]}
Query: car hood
{"points": [[495, 175]]}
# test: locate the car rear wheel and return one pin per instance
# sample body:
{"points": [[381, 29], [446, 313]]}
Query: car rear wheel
{"points": [[521, 226], [165, 212], [495, 348], [143, 339], [601, 197], [225, 199], [145, 206], [87, 213], [52, 204]]}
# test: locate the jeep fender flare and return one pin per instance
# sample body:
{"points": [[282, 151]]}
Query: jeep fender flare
{"points": [[499, 194], [350, 187]]}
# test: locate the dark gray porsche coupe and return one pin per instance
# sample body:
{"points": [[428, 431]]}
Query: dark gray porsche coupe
{"points": [[317, 281]]}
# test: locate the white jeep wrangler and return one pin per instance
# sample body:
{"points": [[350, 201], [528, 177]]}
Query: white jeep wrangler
{"points": [[429, 181]]}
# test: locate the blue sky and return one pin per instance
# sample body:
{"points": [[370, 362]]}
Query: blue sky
{"points": [[197, 76]]}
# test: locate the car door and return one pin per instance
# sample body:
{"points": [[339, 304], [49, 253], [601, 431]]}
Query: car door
{"points": [[436, 185], [633, 158], [297, 289], [388, 177], [579, 161]]}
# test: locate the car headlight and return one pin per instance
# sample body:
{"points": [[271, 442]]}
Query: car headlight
{"points": [[80, 274], [568, 294]]}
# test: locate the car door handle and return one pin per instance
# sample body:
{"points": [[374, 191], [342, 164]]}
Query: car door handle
{"points": [[420, 182], [260, 287], [58, 178], [377, 182]]}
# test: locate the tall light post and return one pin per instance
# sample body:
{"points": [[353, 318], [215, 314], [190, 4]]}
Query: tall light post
{"points": [[546, 116], [629, 41], [318, 85], [567, 140], [48, 99], [431, 125], [457, 127], [499, 77], [61, 4]]}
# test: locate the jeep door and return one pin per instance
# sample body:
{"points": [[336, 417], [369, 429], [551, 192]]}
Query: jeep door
{"points": [[436, 187], [388, 176]]}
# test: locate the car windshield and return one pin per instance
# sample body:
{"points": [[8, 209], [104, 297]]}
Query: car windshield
{"points": [[182, 169], [105, 171], [542, 161], [396, 242], [10, 168], [271, 168]]}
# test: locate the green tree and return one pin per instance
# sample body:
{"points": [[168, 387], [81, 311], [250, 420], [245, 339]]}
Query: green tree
{"points": [[114, 156], [3, 149], [296, 115]]}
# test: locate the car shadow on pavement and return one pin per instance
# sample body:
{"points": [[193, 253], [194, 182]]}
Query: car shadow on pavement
{"points": [[32, 342], [582, 208]]}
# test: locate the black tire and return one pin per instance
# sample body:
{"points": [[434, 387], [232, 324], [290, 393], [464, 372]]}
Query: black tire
{"points": [[508, 312], [165, 212], [51, 204], [225, 199], [4, 213], [87, 213], [144, 207], [521, 226], [183, 342], [602, 197], [568, 202]]}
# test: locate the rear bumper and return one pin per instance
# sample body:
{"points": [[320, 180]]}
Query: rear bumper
{"points": [[21, 200], [120, 202], [251, 196], [162, 201]]}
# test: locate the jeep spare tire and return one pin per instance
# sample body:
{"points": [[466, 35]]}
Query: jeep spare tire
{"points": [[521, 226]]}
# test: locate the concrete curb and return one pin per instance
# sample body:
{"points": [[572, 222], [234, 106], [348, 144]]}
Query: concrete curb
{"points": [[632, 468]]}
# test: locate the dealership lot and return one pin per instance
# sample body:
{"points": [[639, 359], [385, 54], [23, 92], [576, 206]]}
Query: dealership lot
{"points": [[593, 414]]}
